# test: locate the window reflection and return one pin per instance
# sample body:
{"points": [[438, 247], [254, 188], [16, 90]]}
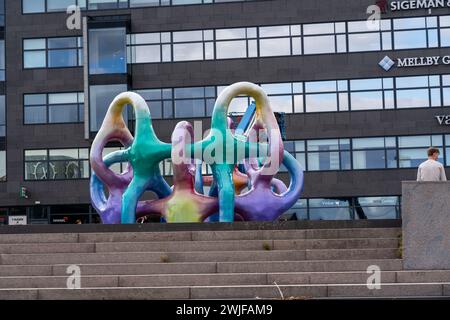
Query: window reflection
{"points": [[107, 51]]}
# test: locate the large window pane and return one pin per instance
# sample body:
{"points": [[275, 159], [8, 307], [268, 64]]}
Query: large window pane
{"points": [[188, 51], [34, 59], [63, 113], [364, 42], [410, 39], [369, 159], [367, 100], [378, 207], [231, 49], [33, 6], [417, 98], [59, 5], [274, 47], [412, 158], [321, 102], [2, 165], [101, 97], [145, 54], [323, 161], [107, 51], [329, 209], [62, 58], [189, 108], [319, 44], [2, 116], [445, 37], [59, 43], [281, 103], [35, 115]]}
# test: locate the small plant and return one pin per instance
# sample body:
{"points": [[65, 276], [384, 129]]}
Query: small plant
{"points": [[165, 258], [266, 246]]}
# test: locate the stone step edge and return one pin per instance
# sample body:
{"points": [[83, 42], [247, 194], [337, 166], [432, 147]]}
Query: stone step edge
{"points": [[194, 252]]}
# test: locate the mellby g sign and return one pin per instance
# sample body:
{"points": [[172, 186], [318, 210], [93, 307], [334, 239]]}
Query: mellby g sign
{"points": [[422, 61], [418, 4]]}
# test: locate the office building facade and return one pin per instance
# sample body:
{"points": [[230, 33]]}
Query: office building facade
{"points": [[364, 87]]}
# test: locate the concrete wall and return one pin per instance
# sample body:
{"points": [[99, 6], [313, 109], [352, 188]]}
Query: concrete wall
{"points": [[426, 225]]}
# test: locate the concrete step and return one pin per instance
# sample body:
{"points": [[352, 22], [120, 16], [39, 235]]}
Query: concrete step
{"points": [[229, 267], [196, 256], [233, 292], [238, 245], [173, 280], [319, 291], [224, 245], [35, 248], [200, 235]]}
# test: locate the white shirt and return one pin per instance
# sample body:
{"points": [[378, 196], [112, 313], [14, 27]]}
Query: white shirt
{"points": [[431, 170]]}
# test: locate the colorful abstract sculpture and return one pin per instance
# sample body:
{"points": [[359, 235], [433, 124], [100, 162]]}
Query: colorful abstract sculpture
{"points": [[223, 149]]}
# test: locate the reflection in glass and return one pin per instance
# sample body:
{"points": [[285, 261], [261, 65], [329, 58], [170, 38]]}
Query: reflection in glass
{"points": [[321, 102], [364, 42], [417, 98], [410, 39], [188, 51], [100, 98], [107, 51], [319, 44]]}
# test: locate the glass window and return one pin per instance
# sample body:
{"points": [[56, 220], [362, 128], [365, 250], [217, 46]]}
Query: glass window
{"points": [[412, 158], [101, 97], [107, 4], [417, 98], [277, 31], [34, 59], [321, 102], [319, 44], [445, 37], [59, 5], [274, 47], [281, 103], [62, 58], [378, 207], [53, 108], [189, 108], [409, 23], [2, 165], [369, 159], [2, 60], [107, 51], [63, 113], [367, 100], [231, 49], [329, 209], [320, 86], [33, 6], [411, 82], [410, 39], [35, 115], [326, 159], [2, 116], [188, 51], [227, 34], [364, 42], [318, 28]]}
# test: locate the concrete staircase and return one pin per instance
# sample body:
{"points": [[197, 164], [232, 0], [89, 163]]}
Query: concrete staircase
{"points": [[299, 264]]}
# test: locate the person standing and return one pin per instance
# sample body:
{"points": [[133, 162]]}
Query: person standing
{"points": [[431, 170]]}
